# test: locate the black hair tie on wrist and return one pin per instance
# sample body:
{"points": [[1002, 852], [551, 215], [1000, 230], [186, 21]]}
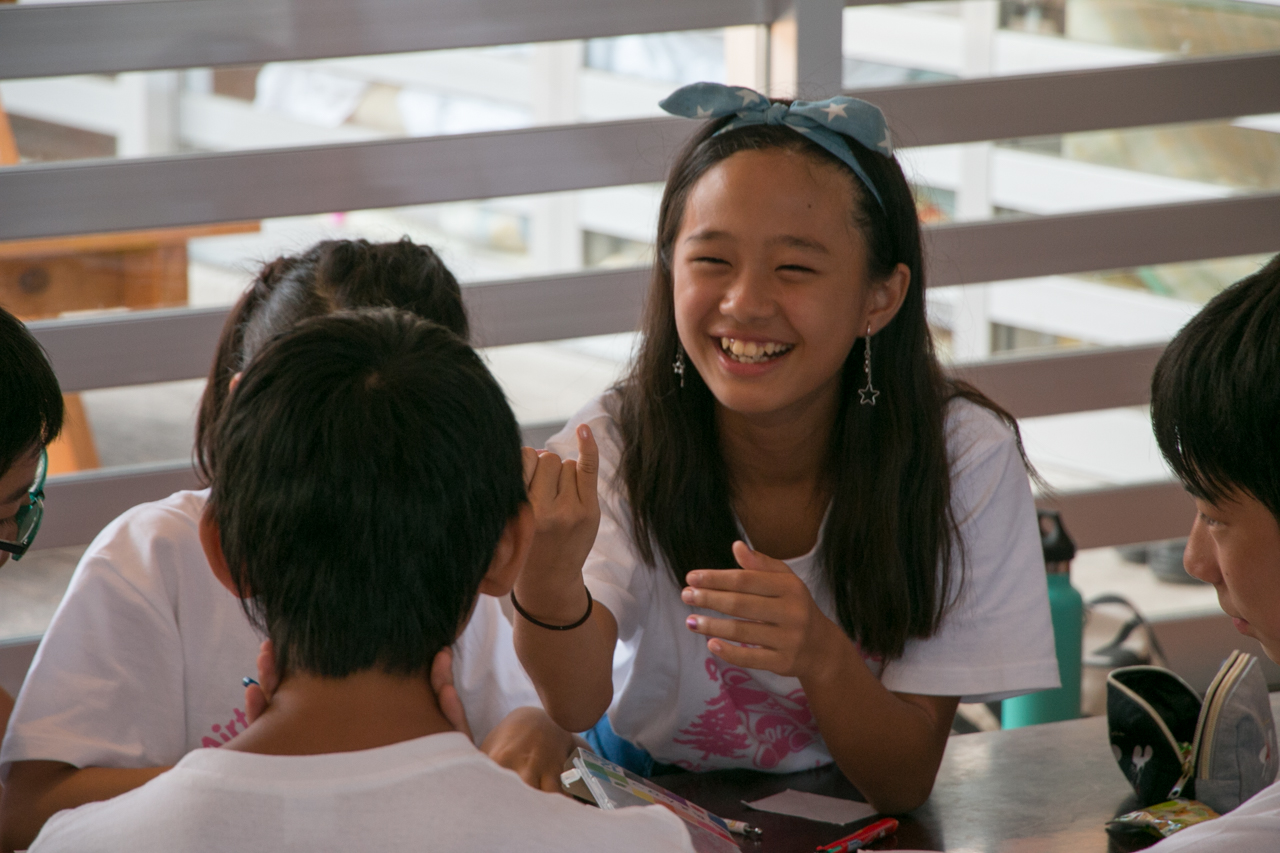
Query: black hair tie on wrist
{"points": [[525, 614]]}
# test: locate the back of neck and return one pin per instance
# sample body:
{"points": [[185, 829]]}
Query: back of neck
{"points": [[313, 715]]}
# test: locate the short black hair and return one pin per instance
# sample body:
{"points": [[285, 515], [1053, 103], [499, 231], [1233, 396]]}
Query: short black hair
{"points": [[369, 464], [332, 275], [29, 392], [1215, 395]]}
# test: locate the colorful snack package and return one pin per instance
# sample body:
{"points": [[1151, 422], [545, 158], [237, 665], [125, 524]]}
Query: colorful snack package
{"points": [[1161, 820]]}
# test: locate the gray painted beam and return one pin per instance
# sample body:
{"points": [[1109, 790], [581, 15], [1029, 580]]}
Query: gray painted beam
{"points": [[554, 307], [1012, 106], [1124, 515], [173, 344], [1023, 247], [78, 505], [81, 38], [42, 200], [1057, 383], [131, 349]]}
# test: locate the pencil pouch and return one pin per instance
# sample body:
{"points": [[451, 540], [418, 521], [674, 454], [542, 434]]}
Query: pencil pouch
{"points": [[1170, 743]]}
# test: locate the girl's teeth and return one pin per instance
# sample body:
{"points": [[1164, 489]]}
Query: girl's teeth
{"points": [[750, 351]]}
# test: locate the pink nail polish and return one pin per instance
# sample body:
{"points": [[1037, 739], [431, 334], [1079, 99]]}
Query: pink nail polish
{"points": [[691, 622]]}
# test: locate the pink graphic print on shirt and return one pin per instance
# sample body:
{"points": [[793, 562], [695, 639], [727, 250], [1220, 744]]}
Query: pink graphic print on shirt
{"points": [[745, 720], [226, 732]]}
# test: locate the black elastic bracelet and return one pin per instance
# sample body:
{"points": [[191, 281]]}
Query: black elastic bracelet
{"points": [[525, 614]]}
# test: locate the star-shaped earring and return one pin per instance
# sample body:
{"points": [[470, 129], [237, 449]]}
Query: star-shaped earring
{"points": [[867, 396]]}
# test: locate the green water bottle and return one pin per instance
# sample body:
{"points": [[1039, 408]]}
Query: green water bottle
{"points": [[1067, 609]]}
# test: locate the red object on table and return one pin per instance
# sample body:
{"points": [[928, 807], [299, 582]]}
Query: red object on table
{"points": [[861, 838]]}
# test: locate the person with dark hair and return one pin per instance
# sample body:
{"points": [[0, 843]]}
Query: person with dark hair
{"points": [[152, 648], [786, 418], [369, 490], [1215, 406], [32, 418]]}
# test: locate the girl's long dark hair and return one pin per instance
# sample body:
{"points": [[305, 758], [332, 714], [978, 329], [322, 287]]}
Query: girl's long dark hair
{"points": [[891, 534], [332, 275]]}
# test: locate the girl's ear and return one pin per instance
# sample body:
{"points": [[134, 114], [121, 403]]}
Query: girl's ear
{"points": [[887, 296], [211, 542], [510, 555]]}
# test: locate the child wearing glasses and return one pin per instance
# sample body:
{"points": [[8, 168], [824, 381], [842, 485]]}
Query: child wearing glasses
{"points": [[1215, 404], [32, 418], [360, 547], [143, 660]]}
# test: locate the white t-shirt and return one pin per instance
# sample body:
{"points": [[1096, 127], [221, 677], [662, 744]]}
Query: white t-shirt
{"points": [[687, 707], [436, 793], [144, 658], [1253, 827]]}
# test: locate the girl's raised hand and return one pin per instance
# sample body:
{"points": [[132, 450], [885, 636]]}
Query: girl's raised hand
{"points": [[775, 619], [566, 511]]}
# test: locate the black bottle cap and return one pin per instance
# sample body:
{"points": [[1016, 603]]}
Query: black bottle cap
{"points": [[1057, 545]]}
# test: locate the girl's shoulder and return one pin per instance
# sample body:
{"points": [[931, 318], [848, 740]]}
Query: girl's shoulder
{"points": [[975, 433], [150, 539]]}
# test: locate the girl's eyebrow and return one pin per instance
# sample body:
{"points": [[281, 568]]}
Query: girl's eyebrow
{"points": [[786, 240], [800, 243], [703, 236]]}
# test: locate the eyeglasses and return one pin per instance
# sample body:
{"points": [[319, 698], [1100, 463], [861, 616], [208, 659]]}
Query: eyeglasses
{"points": [[27, 518]]}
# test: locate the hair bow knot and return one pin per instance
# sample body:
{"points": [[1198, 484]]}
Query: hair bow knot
{"points": [[827, 123]]}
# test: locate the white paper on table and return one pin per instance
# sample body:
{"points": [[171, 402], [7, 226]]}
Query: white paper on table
{"points": [[813, 807]]}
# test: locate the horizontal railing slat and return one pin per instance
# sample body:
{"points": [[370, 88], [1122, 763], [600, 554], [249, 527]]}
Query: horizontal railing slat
{"points": [[1008, 107], [1024, 247], [1058, 383], [78, 505], [168, 345], [1123, 515], [131, 349], [81, 38], [120, 195], [548, 308]]}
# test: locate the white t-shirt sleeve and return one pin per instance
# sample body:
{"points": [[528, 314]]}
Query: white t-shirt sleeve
{"points": [[488, 676], [106, 686], [997, 640]]}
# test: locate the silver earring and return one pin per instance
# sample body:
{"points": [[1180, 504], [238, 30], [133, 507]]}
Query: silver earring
{"points": [[677, 366], [868, 395]]}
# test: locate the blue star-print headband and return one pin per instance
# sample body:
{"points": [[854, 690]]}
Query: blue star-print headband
{"points": [[825, 122]]}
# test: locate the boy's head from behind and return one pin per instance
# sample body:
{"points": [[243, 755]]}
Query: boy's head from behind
{"points": [[1215, 404], [31, 418], [369, 481]]}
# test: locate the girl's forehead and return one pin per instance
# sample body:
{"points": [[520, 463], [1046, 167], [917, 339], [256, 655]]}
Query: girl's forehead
{"points": [[773, 187]]}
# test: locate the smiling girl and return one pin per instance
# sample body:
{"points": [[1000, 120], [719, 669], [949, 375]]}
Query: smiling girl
{"points": [[812, 543]]}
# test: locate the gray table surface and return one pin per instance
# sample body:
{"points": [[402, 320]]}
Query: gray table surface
{"points": [[1039, 789]]}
